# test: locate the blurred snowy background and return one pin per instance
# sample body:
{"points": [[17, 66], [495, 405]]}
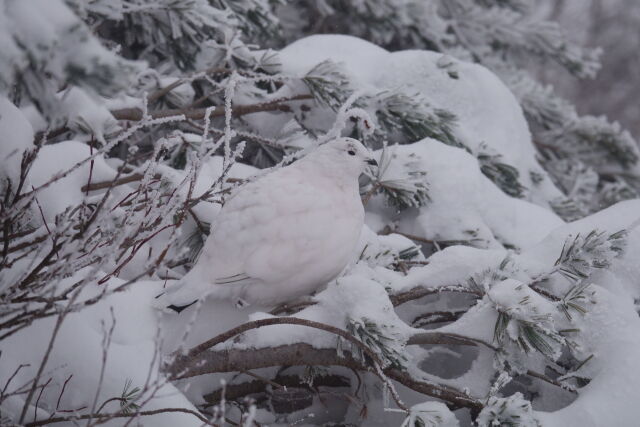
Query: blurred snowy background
{"points": [[613, 26]]}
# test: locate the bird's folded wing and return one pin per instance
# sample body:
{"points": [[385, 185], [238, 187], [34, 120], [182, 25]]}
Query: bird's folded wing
{"points": [[236, 279], [273, 228]]}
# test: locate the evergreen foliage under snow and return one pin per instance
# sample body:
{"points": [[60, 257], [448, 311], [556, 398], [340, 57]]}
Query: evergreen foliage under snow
{"points": [[126, 124]]}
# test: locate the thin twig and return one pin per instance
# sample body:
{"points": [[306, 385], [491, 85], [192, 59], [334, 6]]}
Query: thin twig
{"points": [[420, 291], [106, 344], [64, 387], [24, 245], [19, 234], [44, 221], [551, 381], [120, 415], [113, 183], [90, 168], [6, 385], [112, 399], [370, 193], [35, 407], [43, 363], [280, 104]]}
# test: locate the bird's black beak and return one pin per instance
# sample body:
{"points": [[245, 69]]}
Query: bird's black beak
{"points": [[372, 162]]}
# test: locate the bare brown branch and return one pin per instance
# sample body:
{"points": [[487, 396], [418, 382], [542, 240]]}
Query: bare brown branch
{"points": [[136, 114], [113, 183], [235, 391], [119, 415], [420, 291], [234, 360]]}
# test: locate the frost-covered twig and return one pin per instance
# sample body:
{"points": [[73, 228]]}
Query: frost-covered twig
{"points": [[105, 417], [280, 104], [46, 355], [106, 343], [113, 183]]}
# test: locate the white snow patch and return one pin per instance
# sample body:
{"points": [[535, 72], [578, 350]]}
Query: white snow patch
{"points": [[466, 205], [17, 137], [54, 160]]}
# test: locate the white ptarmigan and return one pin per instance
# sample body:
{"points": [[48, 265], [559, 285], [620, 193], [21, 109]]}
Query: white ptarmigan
{"points": [[283, 235]]}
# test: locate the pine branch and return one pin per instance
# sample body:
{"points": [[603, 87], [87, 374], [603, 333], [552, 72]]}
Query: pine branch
{"points": [[582, 254], [505, 176], [414, 117], [404, 185], [380, 339], [328, 84]]}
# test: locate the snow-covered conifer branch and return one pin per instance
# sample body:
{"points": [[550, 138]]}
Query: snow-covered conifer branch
{"points": [[131, 129]]}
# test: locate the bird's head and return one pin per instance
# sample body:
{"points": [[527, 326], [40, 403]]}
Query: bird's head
{"points": [[347, 154]]}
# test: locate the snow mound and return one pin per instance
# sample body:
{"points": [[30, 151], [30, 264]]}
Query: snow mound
{"points": [[465, 205], [489, 119], [78, 354], [610, 325], [56, 160], [360, 57], [17, 137], [486, 110], [87, 115]]}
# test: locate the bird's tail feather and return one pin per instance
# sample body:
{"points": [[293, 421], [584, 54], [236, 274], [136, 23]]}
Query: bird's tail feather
{"points": [[203, 321], [181, 294], [179, 308]]}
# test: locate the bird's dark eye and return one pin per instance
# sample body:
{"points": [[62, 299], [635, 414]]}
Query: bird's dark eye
{"points": [[351, 152]]}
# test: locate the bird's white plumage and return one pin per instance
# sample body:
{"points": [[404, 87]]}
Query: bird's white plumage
{"points": [[285, 234]]}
